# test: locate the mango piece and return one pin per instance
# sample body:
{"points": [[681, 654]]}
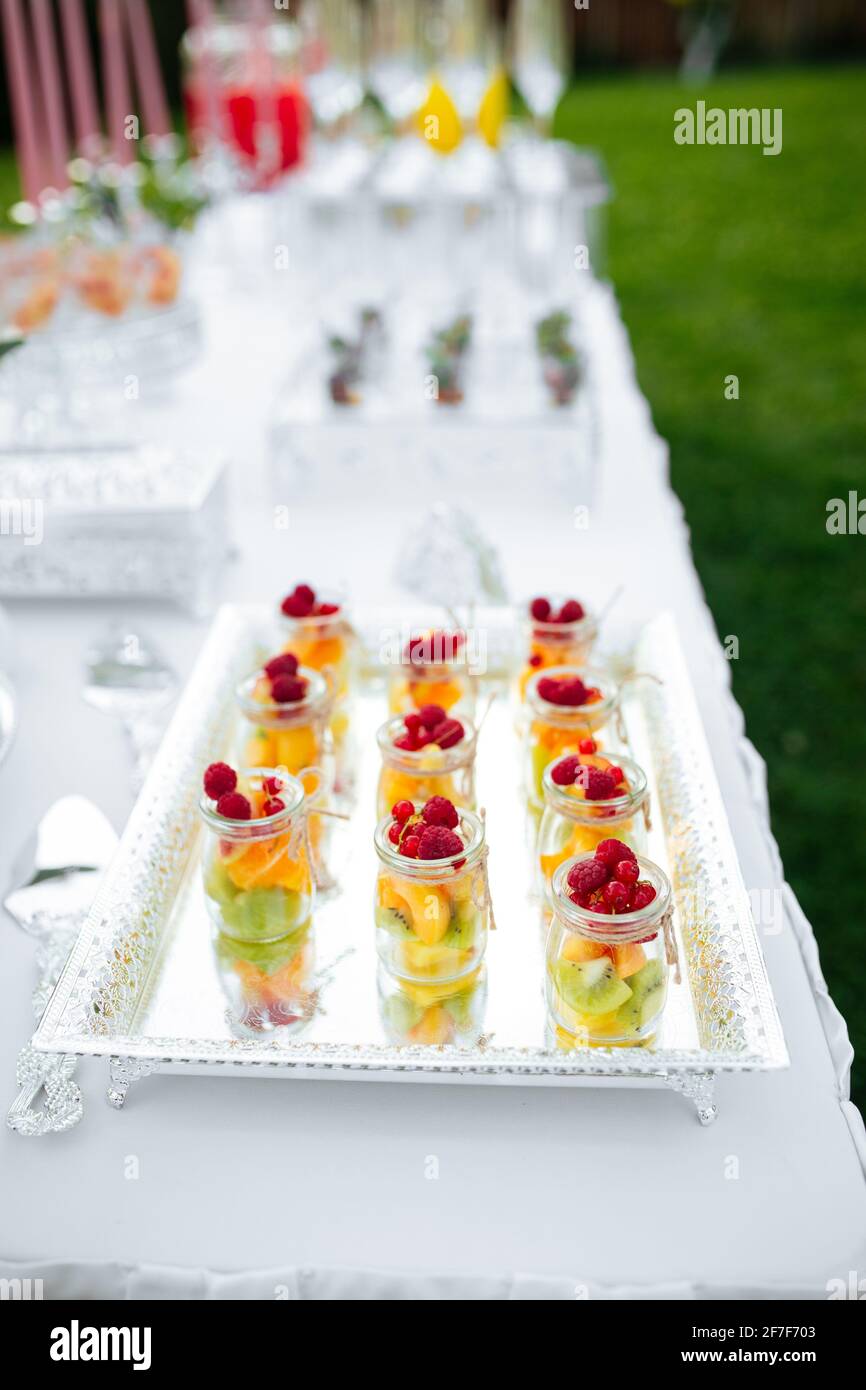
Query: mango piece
{"points": [[628, 959], [295, 747], [579, 948], [435, 1028], [430, 909]]}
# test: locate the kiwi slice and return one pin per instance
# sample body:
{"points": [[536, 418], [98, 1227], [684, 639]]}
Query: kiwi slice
{"points": [[590, 986], [218, 885], [264, 914], [267, 956], [394, 922], [402, 1013], [647, 996], [540, 756], [464, 927]]}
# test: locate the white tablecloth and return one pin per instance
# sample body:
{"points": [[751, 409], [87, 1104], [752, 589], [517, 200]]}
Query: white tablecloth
{"points": [[261, 1189]]}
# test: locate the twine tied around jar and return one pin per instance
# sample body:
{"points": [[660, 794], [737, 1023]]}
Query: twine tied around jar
{"points": [[671, 953]]}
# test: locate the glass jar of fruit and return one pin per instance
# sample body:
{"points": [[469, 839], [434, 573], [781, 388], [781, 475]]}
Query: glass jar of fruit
{"points": [[256, 862], [433, 670], [286, 707], [566, 708], [435, 1015], [609, 945], [432, 905], [269, 985], [587, 799], [318, 632], [426, 754], [554, 631]]}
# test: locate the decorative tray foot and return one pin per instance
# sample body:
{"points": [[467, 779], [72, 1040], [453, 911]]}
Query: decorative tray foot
{"points": [[698, 1087], [123, 1071]]}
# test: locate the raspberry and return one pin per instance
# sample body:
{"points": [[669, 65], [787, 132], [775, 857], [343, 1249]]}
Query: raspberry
{"points": [[283, 665], [409, 847], [327, 610], [272, 806], [588, 746], [287, 690], [234, 806], [564, 773], [611, 852], [540, 610], [306, 594], [438, 842], [598, 785], [644, 893], [448, 733], [431, 716], [394, 834], [615, 895], [570, 612], [585, 876], [219, 778], [295, 606], [626, 871], [572, 692], [440, 811], [402, 810], [562, 690]]}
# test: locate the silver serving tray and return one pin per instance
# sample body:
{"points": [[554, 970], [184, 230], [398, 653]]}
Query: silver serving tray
{"points": [[141, 986]]}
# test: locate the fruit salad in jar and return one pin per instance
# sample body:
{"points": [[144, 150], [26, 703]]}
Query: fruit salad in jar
{"points": [[433, 671], [437, 1015], [608, 946], [318, 632], [256, 867], [320, 635], [286, 709], [554, 632], [589, 798], [269, 985], [432, 906], [426, 754], [565, 708]]}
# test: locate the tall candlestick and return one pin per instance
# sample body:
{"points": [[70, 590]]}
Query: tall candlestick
{"points": [[52, 91], [116, 78], [85, 112], [147, 71], [26, 128]]}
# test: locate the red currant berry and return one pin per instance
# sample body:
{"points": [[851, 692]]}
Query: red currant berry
{"points": [[402, 810]]}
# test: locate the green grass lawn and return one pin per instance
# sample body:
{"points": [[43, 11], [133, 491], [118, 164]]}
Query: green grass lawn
{"points": [[729, 261]]}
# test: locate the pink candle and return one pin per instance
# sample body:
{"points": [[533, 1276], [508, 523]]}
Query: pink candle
{"points": [[26, 129], [116, 79], [52, 91], [147, 74], [88, 132], [201, 16]]}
